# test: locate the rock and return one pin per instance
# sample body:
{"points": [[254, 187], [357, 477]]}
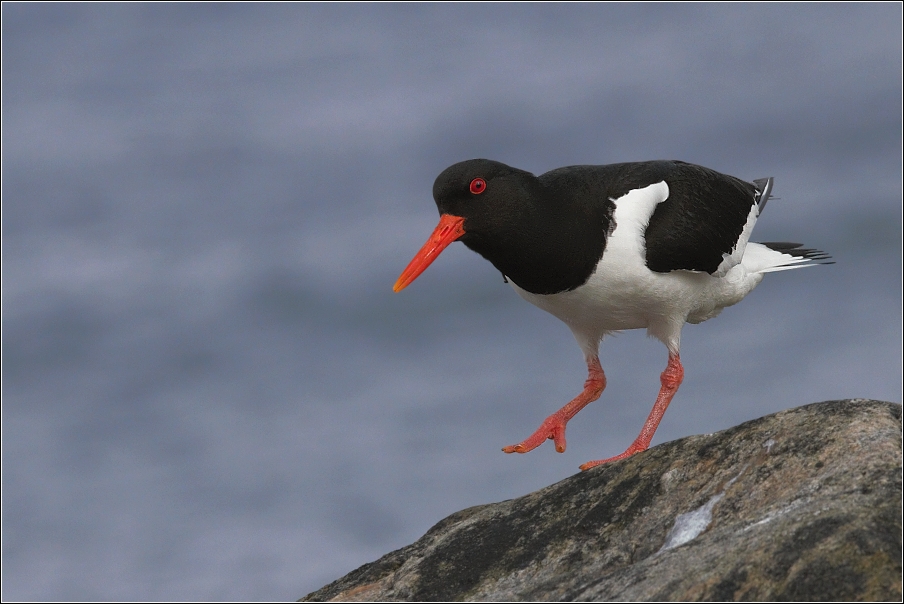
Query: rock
{"points": [[800, 505]]}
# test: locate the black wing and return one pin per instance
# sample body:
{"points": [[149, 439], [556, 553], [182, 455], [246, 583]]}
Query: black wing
{"points": [[702, 219]]}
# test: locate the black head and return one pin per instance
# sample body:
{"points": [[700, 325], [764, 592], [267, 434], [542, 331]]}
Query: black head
{"points": [[494, 199], [534, 234]]}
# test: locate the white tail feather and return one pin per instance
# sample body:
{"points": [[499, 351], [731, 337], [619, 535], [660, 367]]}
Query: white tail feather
{"points": [[759, 258]]}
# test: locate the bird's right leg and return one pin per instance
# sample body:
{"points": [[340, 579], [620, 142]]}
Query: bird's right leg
{"points": [[553, 427], [670, 379]]}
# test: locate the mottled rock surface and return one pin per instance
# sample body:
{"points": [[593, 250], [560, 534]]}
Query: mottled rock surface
{"points": [[800, 505]]}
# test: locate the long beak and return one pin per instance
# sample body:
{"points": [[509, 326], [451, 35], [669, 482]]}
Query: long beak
{"points": [[448, 230]]}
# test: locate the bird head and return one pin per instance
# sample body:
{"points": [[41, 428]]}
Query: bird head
{"points": [[478, 200]]}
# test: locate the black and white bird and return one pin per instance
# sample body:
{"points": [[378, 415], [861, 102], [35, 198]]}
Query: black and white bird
{"points": [[642, 245]]}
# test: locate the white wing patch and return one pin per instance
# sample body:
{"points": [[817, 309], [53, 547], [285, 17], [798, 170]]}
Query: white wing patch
{"points": [[731, 260], [633, 211]]}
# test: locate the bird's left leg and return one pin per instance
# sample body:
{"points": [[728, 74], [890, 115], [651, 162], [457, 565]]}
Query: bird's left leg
{"points": [[553, 427], [670, 379]]}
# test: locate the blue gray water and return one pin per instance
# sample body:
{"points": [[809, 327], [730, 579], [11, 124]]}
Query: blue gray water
{"points": [[210, 390]]}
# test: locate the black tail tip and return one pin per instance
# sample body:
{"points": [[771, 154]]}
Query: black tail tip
{"points": [[798, 251]]}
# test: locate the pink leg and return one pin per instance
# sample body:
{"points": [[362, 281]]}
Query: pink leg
{"points": [[671, 378], [553, 427]]}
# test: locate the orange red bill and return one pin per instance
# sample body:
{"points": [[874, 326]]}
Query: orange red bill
{"points": [[448, 230]]}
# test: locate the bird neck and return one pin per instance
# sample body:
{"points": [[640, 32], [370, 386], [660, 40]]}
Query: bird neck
{"points": [[552, 246]]}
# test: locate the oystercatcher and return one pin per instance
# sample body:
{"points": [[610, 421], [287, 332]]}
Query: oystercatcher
{"points": [[650, 245]]}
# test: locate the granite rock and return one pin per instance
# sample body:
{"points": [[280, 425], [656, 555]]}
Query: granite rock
{"points": [[804, 504]]}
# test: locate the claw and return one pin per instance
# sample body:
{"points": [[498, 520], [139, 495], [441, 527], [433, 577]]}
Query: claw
{"points": [[553, 427], [631, 451]]}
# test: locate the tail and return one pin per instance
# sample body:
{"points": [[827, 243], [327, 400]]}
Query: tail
{"points": [[763, 192], [773, 256]]}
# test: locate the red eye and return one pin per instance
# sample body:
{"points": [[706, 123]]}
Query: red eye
{"points": [[478, 186]]}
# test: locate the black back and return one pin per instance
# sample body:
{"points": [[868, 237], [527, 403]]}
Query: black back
{"points": [[548, 233]]}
